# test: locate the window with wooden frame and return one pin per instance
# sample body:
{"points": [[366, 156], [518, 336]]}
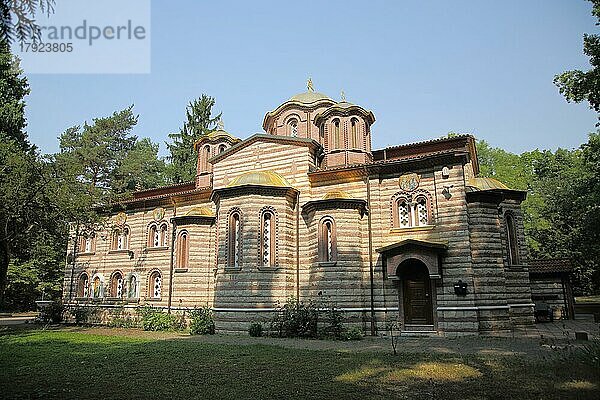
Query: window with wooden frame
{"points": [[411, 210], [292, 127], [422, 211], [83, 285], [117, 284], [234, 240], [336, 134], [268, 248], [512, 246], [120, 238], [354, 140], [155, 285], [327, 240], [183, 250]]}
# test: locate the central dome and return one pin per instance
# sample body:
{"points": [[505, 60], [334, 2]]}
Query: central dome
{"points": [[309, 97], [260, 178]]}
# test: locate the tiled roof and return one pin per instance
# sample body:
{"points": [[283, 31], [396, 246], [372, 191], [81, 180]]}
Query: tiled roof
{"points": [[550, 265]]}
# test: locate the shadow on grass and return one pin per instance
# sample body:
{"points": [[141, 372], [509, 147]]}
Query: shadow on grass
{"points": [[64, 364]]}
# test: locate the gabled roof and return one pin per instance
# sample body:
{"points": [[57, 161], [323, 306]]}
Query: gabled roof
{"points": [[263, 137], [439, 246]]}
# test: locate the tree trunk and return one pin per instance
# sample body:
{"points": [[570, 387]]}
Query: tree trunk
{"points": [[4, 260]]}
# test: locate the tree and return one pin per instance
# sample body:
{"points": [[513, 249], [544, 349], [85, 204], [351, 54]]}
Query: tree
{"points": [[13, 89], [198, 123], [22, 27], [577, 85], [562, 210]]}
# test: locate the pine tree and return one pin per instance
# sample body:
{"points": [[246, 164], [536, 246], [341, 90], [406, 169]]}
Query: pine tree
{"points": [[198, 123]]}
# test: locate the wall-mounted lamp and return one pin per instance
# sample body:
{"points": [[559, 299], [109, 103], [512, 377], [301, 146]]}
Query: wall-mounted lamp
{"points": [[460, 288], [445, 172]]}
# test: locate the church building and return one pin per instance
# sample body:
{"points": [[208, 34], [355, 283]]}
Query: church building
{"points": [[308, 209]]}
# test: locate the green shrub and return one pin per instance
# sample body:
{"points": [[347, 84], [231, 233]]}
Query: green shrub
{"points": [[354, 333], [155, 319], [255, 329], [295, 319], [85, 314], [333, 323], [201, 321], [120, 319]]}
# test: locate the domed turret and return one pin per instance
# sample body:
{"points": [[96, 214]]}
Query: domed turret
{"points": [[295, 117], [209, 146]]}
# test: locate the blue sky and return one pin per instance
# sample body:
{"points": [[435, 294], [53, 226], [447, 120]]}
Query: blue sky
{"points": [[424, 68]]}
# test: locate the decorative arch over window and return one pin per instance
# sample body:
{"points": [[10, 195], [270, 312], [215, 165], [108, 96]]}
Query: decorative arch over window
{"points": [[422, 210], [133, 286], [87, 243], [327, 240], [120, 238], [117, 284], [268, 238], [234, 238], [157, 234], [411, 209], [336, 135], [205, 158], [183, 249], [511, 239], [155, 285], [83, 285], [354, 137], [222, 148], [292, 127]]}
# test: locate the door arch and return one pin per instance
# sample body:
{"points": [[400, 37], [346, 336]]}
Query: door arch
{"points": [[416, 292]]}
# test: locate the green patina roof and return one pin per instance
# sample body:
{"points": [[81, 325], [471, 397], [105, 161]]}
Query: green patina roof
{"points": [[309, 97]]}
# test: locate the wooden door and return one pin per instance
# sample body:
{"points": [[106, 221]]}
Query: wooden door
{"points": [[417, 301]]}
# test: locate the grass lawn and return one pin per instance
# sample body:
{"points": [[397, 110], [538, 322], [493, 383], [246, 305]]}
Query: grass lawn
{"points": [[75, 365]]}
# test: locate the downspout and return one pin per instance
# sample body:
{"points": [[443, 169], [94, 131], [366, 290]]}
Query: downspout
{"points": [[371, 273], [74, 261], [298, 247], [173, 230]]}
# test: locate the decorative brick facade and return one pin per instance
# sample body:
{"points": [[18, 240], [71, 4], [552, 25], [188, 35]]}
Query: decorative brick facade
{"points": [[406, 233]]}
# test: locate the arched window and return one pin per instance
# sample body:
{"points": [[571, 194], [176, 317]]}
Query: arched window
{"points": [[404, 215], [293, 127], [97, 287], [120, 239], [153, 236], [511, 239], [116, 285], [83, 285], [163, 235], [222, 148], [267, 239], [206, 157], [183, 250], [327, 240], [234, 239], [155, 285], [336, 133], [354, 133], [87, 243], [421, 211], [133, 287]]}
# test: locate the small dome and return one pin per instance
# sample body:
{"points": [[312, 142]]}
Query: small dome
{"points": [[336, 194], [309, 97], [200, 212], [260, 178], [486, 184]]}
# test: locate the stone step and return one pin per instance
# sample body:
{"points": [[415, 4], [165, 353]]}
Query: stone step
{"points": [[584, 317]]}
